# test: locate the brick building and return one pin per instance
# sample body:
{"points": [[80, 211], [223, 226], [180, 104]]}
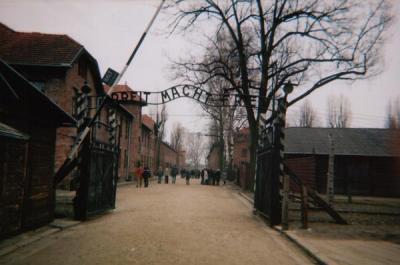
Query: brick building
{"points": [[241, 157], [366, 161], [59, 66], [168, 155], [28, 124], [124, 133], [131, 146], [148, 142]]}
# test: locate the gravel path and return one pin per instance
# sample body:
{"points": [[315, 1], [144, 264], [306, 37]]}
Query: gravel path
{"points": [[167, 224]]}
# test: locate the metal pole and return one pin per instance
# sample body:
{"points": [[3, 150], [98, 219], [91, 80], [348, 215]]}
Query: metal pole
{"points": [[304, 206], [84, 133], [331, 174], [128, 164], [285, 202], [284, 178]]}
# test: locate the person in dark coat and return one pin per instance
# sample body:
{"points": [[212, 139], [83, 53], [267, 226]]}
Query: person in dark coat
{"points": [[160, 174], [174, 172], [188, 176], [146, 176], [202, 176], [211, 176], [217, 176]]}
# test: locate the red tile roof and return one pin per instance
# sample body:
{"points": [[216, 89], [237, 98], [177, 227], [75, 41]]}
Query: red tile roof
{"points": [[31, 48], [119, 88], [148, 122]]}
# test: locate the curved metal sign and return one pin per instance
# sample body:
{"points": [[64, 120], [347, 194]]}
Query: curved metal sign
{"points": [[183, 91]]}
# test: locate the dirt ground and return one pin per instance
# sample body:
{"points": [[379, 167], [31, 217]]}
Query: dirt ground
{"points": [[372, 236], [369, 218], [167, 224]]}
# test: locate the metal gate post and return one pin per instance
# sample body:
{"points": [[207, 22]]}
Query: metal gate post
{"points": [[276, 172], [304, 206], [113, 124], [285, 203], [283, 178], [81, 198], [331, 172]]}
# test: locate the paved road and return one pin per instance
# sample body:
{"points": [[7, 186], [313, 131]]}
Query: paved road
{"points": [[167, 224]]}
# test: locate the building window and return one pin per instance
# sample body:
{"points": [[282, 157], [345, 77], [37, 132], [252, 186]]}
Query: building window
{"points": [[82, 68]]}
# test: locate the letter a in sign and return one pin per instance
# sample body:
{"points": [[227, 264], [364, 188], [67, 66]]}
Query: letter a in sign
{"points": [[175, 93]]}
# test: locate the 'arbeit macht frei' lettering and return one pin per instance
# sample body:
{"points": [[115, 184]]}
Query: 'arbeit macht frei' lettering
{"points": [[196, 93]]}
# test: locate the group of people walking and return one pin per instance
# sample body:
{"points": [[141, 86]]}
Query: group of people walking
{"points": [[211, 176], [142, 174], [208, 176], [166, 173]]}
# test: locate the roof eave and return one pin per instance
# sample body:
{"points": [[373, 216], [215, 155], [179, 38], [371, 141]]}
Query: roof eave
{"points": [[342, 154], [62, 65], [67, 118]]}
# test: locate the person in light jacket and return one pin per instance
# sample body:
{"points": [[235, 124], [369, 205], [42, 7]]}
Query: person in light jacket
{"points": [[206, 176], [166, 173]]}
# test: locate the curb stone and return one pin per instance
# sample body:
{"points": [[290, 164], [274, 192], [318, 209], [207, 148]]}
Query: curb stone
{"points": [[246, 197], [307, 250], [12, 244]]}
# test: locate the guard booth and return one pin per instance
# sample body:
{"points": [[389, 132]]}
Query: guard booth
{"points": [[28, 123]]}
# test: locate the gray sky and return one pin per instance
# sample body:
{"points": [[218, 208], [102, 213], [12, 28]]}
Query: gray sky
{"points": [[110, 29]]}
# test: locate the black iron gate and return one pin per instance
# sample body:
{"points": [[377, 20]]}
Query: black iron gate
{"points": [[273, 176], [98, 180], [267, 201], [103, 173], [98, 167]]}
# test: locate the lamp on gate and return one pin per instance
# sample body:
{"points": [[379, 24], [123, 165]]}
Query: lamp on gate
{"points": [[86, 88], [288, 88]]}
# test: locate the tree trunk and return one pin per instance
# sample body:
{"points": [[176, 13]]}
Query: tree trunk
{"points": [[158, 162], [253, 153], [221, 140]]}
